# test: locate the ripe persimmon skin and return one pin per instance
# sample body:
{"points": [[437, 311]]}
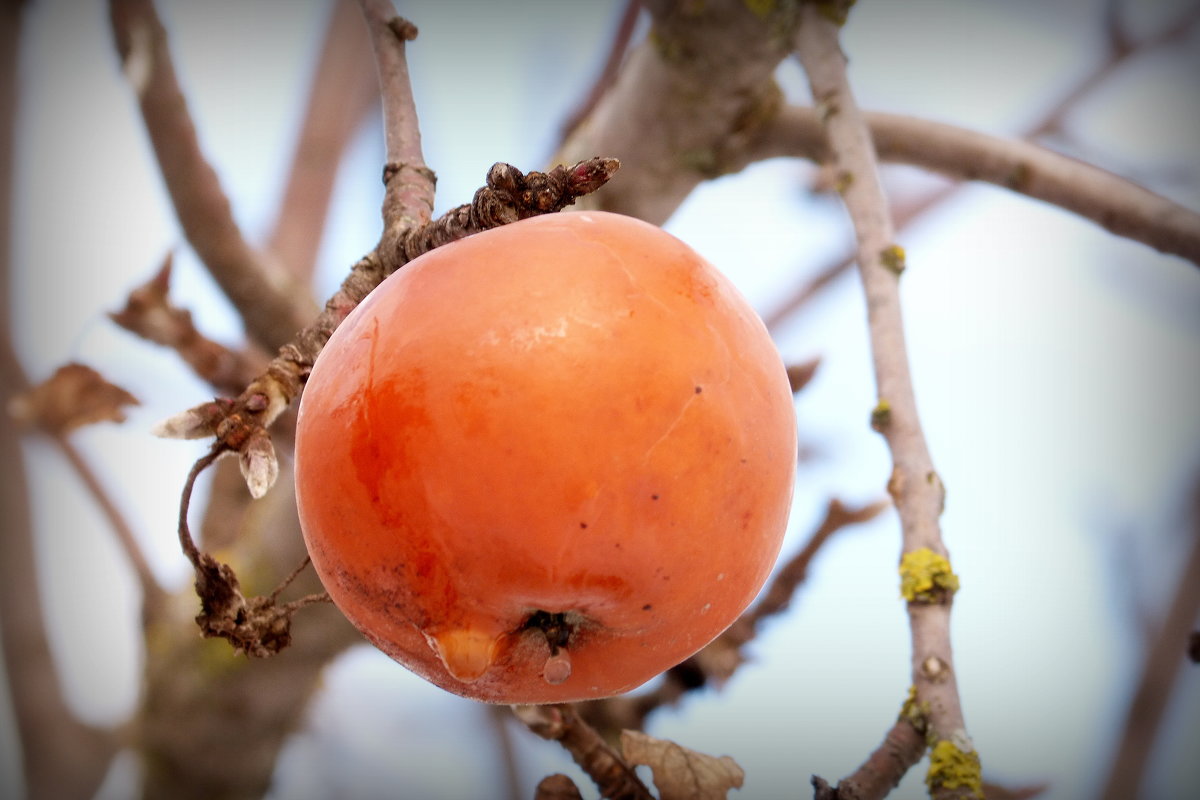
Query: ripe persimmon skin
{"points": [[573, 414]]}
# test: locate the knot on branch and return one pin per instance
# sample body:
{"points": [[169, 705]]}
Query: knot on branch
{"points": [[257, 627], [402, 29], [394, 168]]}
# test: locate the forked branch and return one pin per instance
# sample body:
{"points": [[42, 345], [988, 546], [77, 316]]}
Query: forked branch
{"points": [[915, 486]]}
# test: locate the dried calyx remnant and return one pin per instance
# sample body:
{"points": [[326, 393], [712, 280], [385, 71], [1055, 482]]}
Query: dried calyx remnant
{"points": [[258, 625], [557, 629]]}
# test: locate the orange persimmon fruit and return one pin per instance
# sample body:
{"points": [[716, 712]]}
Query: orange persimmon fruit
{"points": [[547, 462]]}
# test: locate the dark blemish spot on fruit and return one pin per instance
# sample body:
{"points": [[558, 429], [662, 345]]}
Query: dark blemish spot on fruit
{"points": [[646, 607], [583, 526], [653, 497], [699, 389]]}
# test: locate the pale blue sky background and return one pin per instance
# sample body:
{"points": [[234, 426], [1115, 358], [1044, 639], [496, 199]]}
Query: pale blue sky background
{"points": [[1057, 371]]}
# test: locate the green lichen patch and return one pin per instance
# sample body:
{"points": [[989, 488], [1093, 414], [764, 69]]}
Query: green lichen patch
{"points": [[892, 257], [952, 768], [926, 577], [881, 415]]}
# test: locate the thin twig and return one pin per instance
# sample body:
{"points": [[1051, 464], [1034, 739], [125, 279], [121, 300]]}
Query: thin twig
{"points": [[271, 306], [291, 576], [149, 313], [1164, 658], [1121, 47], [915, 486], [1116, 204], [342, 92], [499, 719], [718, 661], [509, 195], [907, 214], [186, 542], [408, 201], [615, 778], [902, 217], [609, 72], [153, 594], [902, 747], [791, 575]]}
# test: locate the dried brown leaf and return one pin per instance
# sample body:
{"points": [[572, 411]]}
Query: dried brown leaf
{"points": [[74, 396], [680, 773]]}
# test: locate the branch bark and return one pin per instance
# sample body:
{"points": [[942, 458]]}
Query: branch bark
{"points": [[341, 94], [1116, 204], [60, 756], [1160, 670], [915, 487], [408, 201], [613, 776], [271, 304], [703, 83]]}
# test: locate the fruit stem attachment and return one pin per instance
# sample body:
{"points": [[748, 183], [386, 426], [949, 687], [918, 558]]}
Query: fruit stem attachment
{"points": [[557, 630]]}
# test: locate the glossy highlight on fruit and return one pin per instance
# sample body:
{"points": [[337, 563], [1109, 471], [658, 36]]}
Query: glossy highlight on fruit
{"points": [[547, 462]]}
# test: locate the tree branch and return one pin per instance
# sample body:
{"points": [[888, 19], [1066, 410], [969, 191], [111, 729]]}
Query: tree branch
{"points": [[721, 658], [1160, 670], [703, 83], [271, 304], [343, 90], [902, 747], [153, 595], [914, 485], [60, 756], [611, 69], [1116, 204], [408, 201], [612, 775], [148, 313], [903, 216], [509, 195]]}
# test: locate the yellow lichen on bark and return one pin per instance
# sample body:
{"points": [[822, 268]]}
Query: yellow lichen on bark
{"points": [[953, 768], [926, 577]]}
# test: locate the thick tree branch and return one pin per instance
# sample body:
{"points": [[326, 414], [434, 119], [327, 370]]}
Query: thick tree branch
{"points": [[343, 91], [915, 486], [1116, 204], [272, 305], [703, 84], [60, 756]]}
